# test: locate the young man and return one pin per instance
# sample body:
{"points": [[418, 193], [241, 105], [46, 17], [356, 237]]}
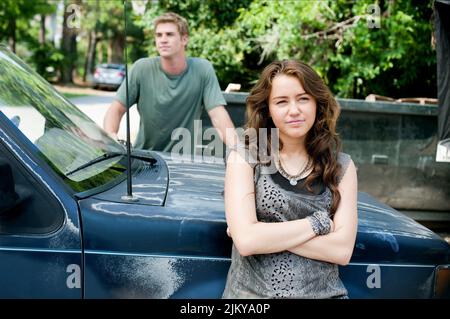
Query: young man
{"points": [[170, 91]]}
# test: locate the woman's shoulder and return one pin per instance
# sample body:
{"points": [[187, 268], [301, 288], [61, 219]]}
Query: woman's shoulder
{"points": [[344, 158], [344, 161]]}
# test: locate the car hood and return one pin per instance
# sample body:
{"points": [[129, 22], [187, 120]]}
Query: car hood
{"points": [[193, 187], [196, 187], [191, 195], [149, 183], [389, 236]]}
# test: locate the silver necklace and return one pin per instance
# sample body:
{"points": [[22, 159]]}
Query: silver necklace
{"points": [[293, 179]]}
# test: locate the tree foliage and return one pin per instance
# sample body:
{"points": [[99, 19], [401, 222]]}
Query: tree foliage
{"points": [[335, 37], [240, 37]]}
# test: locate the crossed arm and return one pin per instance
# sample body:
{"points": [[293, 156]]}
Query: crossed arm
{"points": [[252, 237], [337, 246]]}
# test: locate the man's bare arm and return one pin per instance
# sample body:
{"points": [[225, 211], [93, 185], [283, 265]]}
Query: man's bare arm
{"points": [[113, 116], [224, 125]]}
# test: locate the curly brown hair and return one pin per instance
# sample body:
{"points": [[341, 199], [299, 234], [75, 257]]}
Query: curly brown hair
{"points": [[322, 142]]}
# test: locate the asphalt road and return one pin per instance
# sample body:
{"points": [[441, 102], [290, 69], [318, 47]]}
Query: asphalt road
{"points": [[95, 106]]}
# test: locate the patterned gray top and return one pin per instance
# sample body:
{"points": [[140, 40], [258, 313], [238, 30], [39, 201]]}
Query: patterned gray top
{"points": [[284, 275]]}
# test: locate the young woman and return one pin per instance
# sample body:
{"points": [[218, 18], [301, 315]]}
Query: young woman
{"points": [[290, 228]]}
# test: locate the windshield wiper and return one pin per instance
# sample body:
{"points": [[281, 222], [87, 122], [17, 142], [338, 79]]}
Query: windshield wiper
{"points": [[108, 156]]}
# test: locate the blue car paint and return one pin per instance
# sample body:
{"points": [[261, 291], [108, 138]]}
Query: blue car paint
{"points": [[172, 243], [149, 185], [188, 241], [36, 266], [396, 280]]}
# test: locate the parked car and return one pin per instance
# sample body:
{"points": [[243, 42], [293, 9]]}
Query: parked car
{"points": [[67, 232], [108, 75]]}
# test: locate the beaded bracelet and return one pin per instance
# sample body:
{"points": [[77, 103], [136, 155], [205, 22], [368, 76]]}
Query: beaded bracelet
{"points": [[320, 222]]}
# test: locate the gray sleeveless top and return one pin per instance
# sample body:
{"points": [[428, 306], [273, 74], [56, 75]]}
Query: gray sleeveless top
{"points": [[284, 274]]}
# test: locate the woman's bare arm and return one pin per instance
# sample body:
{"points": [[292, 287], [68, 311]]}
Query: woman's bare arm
{"points": [[250, 236], [337, 246]]}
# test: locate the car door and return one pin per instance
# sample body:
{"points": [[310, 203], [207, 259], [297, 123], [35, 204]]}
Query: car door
{"points": [[40, 244]]}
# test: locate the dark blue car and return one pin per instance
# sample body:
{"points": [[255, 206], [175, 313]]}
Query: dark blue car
{"points": [[66, 232]]}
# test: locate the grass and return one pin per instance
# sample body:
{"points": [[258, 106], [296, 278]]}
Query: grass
{"points": [[73, 95]]}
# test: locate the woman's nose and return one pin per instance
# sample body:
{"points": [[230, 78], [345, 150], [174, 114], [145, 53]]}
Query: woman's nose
{"points": [[294, 108]]}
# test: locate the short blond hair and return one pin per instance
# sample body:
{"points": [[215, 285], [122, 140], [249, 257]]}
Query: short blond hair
{"points": [[171, 17]]}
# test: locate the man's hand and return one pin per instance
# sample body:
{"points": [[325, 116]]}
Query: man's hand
{"points": [[113, 136]]}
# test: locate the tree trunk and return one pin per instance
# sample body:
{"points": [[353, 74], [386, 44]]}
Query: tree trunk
{"points": [[68, 44], [115, 49], [42, 30], [110, 50], [12, 34], [90, 56], [92, 45], [100, 52]]}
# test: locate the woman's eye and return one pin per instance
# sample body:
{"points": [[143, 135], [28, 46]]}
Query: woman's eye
{"points": [[281, 102], [304, 99]]}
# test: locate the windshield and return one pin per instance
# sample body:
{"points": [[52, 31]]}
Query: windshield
{"points": [[63, 135]]}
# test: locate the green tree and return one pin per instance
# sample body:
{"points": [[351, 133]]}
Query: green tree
{"points": [[338, 40], [15, 17], [104, 26], [241, 37]]}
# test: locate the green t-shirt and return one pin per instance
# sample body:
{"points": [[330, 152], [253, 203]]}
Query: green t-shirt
{"points": [[166, 102]]}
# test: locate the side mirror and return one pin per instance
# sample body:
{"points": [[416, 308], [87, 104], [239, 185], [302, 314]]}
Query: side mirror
{"points": [[9, 198]]}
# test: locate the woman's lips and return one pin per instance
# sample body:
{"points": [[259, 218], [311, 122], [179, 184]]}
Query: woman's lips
{"points": [[295, 122]]}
